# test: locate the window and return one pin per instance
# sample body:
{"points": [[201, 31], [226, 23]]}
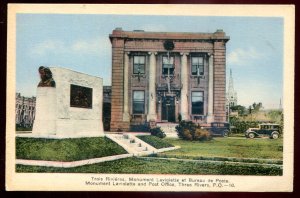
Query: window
{"points": [[138, 106], [168, 65], [197, 102], [139, 64], [197, 66]]}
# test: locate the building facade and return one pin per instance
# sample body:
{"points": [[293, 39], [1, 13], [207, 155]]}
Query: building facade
{"points": [[25, 110], [167, 77]]}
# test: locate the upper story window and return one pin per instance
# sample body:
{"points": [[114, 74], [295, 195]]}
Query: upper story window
{"points": [[138, 106], [168, 65], [197, 102], [138, 64], [197, 65]]}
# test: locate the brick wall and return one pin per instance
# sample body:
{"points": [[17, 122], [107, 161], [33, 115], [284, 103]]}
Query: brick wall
{"points": [[117, 86], [219, 81]]}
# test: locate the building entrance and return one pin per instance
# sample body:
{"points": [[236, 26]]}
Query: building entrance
{"points": [[168, 109]]}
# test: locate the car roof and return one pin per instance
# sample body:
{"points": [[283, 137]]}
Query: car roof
{"points": [[268, 124]]}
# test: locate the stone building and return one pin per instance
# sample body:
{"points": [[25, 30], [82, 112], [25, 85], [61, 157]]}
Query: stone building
{"points": [[25, 111], [167, 76]]}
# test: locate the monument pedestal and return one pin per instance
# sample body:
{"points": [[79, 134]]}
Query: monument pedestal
{"points": [[71, 109], [45, 112]]}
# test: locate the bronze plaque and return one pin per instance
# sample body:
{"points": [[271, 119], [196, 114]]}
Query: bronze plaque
{"points": [[81, 97]]}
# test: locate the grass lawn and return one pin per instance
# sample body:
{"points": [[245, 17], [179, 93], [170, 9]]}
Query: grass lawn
{"points": [[66, 149], [237, 135], [154, 141], [228, 147], [155, 166]]}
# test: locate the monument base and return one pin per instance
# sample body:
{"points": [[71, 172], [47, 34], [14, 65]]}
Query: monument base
{"points": [[55, 113], [45, 115]]}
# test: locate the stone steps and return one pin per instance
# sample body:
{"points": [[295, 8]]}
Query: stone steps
{"points": [[131, 143], [169, 129]]}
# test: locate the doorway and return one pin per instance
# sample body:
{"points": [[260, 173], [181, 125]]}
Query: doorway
{"points": [[168, 109]]}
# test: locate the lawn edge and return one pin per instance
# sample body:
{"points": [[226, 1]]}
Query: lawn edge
{"points": [[60, 164]]}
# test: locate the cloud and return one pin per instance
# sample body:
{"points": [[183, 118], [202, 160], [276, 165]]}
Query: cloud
{"points": [[92, 46], [46, 46], [241, 56]]}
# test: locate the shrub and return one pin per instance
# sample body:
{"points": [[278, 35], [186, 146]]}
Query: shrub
{"points": [[139, 128], [187, 134], [184, 130], [187, 130], [202, 134], [158, 132], [242, 126]]}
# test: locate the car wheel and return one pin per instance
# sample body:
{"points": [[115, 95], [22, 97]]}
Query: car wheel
{"points": [[225, 133], [251, 135], [275, 135]]}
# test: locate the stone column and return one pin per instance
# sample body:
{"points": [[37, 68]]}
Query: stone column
{"points": [[125, 104], [152, 93], [210, 113], [184, 90]]}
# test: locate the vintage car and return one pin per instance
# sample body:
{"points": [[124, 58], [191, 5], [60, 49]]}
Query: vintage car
{"points": [[219, 129], [270, 130]]}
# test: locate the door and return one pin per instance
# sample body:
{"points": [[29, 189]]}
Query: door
{"points": [[168, 109]]}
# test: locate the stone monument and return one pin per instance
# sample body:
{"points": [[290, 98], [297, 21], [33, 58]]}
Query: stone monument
{"points": [[68, 104]]}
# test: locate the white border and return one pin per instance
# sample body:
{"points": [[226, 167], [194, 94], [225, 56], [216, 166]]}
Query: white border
{"points": [[75, 182]]}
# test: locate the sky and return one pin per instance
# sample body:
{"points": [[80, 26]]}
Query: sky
{"points": [[80, 42]]}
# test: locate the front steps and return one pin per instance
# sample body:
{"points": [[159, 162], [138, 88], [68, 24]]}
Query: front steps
{"points": [[132, 144], [169, 129]]}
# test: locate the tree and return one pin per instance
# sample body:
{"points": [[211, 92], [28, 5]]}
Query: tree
{"points": [[256, 106], [276, 116], [239, 108]]}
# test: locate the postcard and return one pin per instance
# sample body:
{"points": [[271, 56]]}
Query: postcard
{"points": [[165, 97]]}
